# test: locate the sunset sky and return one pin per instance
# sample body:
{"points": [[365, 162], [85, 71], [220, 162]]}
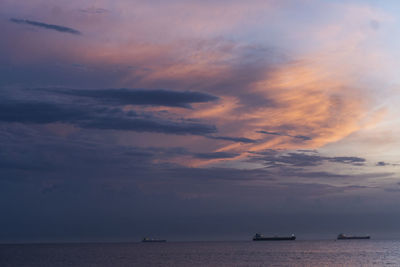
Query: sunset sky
{"points": [[197, 119]]}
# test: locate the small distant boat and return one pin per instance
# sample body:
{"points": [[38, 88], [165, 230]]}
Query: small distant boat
{"points": [[260, 237], [351, 237], [152, 240]]}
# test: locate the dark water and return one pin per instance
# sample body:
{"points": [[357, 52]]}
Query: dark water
{"points": [[284, 253]]}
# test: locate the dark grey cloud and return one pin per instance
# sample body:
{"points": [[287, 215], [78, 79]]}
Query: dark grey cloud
{"points": [[306, 138], [307, 150], [165, 153], [38, 112], [216, 155], [381, 163], [157, 97], [116, 186], [46, 26], [157, 152], [299, 159], [97, 118], [148, 125], [96, 109], [319, 175], [233, 139], [273, 158], [348, 160], [308, 173]]}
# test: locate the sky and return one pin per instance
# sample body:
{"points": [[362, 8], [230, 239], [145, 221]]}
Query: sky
{"points": [[198, 120]]}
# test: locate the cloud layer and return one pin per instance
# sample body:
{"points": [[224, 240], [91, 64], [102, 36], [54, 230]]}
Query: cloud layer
{"points": [[46, 26], [142, 97], [194, 111]]}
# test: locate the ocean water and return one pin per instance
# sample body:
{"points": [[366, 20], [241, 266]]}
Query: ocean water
{"points": [[246, 253]]}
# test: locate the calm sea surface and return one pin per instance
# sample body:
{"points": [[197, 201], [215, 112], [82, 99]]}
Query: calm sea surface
{"points": [[284, 253]]}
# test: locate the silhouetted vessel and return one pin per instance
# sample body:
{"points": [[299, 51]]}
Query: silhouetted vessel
{"points": [[260, 237], [152, 240], [351, 237]]}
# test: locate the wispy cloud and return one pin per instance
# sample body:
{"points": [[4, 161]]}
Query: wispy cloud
{"points": [[148, 125], [157, 97], [101, 118], [94, 10], [384, 163], [273, 158], [216, 155], [381, 163], [233, 139], [285, 134], [348, 160], [58, 28]]}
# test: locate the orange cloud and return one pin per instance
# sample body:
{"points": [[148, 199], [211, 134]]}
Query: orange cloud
{"points": [[309, 98], [316, 94]]}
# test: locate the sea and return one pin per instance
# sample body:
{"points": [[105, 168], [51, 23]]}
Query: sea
{"points": [[239, 253]]}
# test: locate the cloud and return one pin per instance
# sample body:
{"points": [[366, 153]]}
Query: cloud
{"points": [[293, 81], [97, 118], [332, 175], [37, 112], [148, 125], [348, 160], [216, 155], [303, 93], [320, 175], [256, 88], [94, 10], [293, 159], [141, 96], [233, 139], [306, 138], [46, 26], [273, 158], [95, 109], [307, 150], [382, 163], [113, 179]]}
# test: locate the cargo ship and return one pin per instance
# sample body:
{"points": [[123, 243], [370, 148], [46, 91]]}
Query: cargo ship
{"points": [[152, 240], [260, 237], [351, 237]]}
